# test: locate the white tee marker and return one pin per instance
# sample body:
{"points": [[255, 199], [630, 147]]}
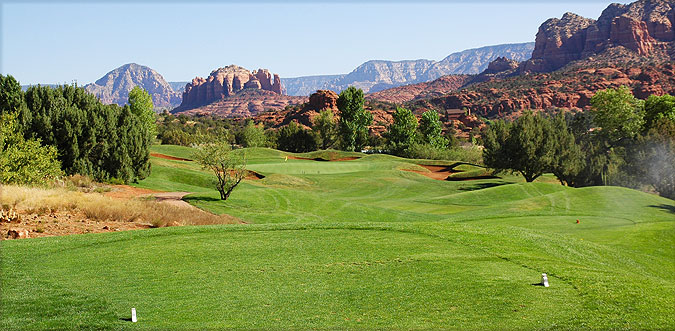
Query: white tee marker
{"points": [[544, 280], [133, 315]]}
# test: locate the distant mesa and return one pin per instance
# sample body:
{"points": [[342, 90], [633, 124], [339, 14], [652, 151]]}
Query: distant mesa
{"points": [[378, 75], [114, 87]]}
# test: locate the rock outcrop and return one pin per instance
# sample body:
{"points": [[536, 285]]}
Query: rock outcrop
{"points": [[643, 26], [247, 102], [114, 87], [226, 82]]}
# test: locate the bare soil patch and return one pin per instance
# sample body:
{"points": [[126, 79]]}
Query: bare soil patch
{"points": [[62, 223], [168, 157]]}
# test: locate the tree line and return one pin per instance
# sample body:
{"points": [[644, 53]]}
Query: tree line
{"points": [[47, 132], [621, 141]]}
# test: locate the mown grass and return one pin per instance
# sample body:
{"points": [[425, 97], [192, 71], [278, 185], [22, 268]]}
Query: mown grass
{"points": [[360, 244]]}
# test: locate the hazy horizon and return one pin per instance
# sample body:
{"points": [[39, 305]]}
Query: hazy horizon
{"points": [[53, 43]]}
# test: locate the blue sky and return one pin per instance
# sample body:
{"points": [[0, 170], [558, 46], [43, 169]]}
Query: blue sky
{"points": [[57, 42]]}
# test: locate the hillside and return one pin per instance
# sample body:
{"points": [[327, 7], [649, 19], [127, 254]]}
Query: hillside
{"points": [[114, 87], [244, 103], [377, 75]]}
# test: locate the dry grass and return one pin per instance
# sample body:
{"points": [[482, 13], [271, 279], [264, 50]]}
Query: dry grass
{"points": [[95, 206]]}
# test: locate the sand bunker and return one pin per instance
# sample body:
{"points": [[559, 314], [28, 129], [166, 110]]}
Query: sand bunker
{"points": [[435, 171], [324, 160], [168, 157]]}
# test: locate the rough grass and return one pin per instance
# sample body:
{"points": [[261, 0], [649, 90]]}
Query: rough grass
{"points": [[40, 201]]}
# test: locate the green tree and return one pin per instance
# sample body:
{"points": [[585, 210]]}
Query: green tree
{"points": [[432, 129], [402, 132], [618, 114], [24, 161], [293, 138], [229, 167], [252, 135], [657, 108], [140, 104], [525, 146], [354, 119], [567, 158], [325, 127]]}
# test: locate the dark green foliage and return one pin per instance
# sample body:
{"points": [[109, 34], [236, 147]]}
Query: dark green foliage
{"points": [[174, 130], [568, 159], [657, 108], [24, 161], [102, 141], [354, 119], [431, 129], [402, 131], [325, 127], [651, 160], [525, 146], [294, 138]]}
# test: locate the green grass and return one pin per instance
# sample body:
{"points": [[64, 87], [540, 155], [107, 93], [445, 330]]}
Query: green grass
{"points": [[359, 244]]}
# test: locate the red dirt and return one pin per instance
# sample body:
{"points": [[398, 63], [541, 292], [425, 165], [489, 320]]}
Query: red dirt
{"points": [[351, 158], [168, 157], [63, 223], [435, 172]]}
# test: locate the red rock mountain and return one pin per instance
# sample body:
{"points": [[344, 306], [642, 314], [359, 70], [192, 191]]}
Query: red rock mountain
{"points": [[438, 87], [226, 82], [645, 27]]}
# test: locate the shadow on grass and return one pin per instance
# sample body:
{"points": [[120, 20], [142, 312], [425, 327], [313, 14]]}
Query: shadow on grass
{"points": [[480, 186], [670, 208], [126, 319], [537, 284], [209, 199]]}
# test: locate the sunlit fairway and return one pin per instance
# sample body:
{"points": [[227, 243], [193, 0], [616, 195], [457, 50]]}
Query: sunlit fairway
{"points": [[359, 244]]}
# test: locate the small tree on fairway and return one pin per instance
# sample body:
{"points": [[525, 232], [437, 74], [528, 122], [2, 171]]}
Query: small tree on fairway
{"points": [[228, 166], [354, 120]]}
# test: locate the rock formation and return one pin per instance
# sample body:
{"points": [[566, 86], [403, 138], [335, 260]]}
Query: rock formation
{"points": [[643, 26], [570, 89], [114, 87], [226, 82], [438, 87]]}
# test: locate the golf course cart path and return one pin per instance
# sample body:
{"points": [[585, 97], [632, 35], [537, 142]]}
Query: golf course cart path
{"points": [[173, 198]]}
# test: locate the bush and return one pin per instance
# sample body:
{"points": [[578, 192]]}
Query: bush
{"points": [[293, 138], [471, 154]]}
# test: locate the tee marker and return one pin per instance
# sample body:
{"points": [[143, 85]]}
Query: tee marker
{"points": [[133, 315], [544, 280]]}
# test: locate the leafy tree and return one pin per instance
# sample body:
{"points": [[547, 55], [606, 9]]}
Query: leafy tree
{"points": [[657, 108], [651, 160], [325, 127], [525, 146], [140, 104], [618, 114], [24, 161], [229, 167], [252, 135], [401, 133], [293, 138], [432, 130], [354, 119]]}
